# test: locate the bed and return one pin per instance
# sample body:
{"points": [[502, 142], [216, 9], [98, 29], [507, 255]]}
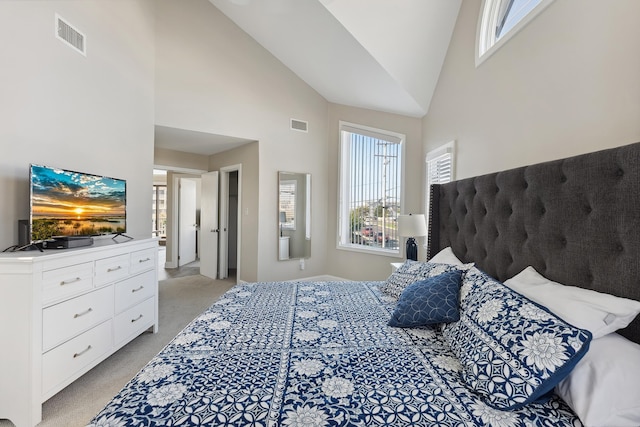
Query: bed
{"points": [[324, 353]]}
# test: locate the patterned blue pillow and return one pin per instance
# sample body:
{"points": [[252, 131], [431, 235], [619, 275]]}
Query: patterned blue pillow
{"points": [[434, 300], [413, 271], [513, 351]]}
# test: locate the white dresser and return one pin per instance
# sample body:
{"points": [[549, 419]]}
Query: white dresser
{"points": [[64, 311]]}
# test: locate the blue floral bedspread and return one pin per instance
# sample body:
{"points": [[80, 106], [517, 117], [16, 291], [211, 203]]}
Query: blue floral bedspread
{"points": [[309, 354]]}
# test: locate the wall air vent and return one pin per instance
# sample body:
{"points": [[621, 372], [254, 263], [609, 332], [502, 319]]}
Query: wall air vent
{"points": [[299, 125], [70, 35]]}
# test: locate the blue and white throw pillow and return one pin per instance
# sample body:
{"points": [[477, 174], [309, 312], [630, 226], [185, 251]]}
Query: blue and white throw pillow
{"points": [[410, 272], [429, 301], [513, 351]]}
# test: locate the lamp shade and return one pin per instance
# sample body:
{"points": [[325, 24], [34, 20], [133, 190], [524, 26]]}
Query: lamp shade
{"points": [[283, 216], [412, 225]]}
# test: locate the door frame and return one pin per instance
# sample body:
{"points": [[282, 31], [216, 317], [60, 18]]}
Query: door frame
{"points": [[223, 251]]}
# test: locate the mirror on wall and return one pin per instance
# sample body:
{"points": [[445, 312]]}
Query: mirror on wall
{"points": [[294, 215]]}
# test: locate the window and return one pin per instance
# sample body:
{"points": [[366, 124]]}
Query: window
{"points": [[370, 188], [288, 204], [440, 169], [502, 19], [159, 210]]}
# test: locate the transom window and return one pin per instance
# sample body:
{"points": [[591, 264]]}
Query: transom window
{"points": [[370, 188], [502, 19]]}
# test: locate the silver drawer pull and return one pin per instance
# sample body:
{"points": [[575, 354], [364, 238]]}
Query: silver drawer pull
{"points": [[109, 270], [136, 319], [82, 352], [144, 260], [138, 289], [87, 311], [68, 282]]}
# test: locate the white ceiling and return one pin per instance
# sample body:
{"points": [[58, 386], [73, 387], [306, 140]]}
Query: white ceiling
{"points": [[384, 55], [189, 141]]}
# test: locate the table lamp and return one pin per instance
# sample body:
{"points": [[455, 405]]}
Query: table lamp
{"points": [[412, 226]]}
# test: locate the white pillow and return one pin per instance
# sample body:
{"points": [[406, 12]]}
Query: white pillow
{"points": [[604, 387], [446, 256], [597, 312]]}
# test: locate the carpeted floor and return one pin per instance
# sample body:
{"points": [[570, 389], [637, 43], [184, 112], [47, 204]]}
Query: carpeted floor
{"points": [[181, 299]]}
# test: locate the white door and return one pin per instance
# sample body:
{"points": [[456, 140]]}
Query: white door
{"points": [[209, 225], [223, 263], [187, 215]]}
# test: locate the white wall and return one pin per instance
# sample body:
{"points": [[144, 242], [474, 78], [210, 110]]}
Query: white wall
{"points": [[566, 84], [58, 108], [212, 77]]}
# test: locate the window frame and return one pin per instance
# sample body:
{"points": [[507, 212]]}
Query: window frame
{"points": [[344, 167], [487, 42]]}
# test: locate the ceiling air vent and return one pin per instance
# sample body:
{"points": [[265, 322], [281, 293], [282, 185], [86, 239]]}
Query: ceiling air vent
{"points": [[299, 125], [70, 36]]}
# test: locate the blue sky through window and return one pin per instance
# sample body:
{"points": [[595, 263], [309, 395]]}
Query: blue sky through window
{"points": [[518, 10]]}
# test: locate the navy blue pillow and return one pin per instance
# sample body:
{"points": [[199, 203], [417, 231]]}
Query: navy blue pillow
{"points": [[434, 300]]}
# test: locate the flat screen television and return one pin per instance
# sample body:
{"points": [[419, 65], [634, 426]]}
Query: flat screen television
{"points": [[66, 203]]}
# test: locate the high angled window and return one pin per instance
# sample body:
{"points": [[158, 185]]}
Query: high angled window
{"points": [[370, 188], [502, 19]]}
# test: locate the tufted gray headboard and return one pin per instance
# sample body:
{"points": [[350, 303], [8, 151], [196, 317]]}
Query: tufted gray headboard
{"points": [[575, 220]]}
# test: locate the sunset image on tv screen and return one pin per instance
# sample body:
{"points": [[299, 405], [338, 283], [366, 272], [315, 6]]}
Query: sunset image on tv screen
{"points": [[67, 203]]}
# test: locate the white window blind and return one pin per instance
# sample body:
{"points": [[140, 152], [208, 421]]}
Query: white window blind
{"points": [[440, 168]]}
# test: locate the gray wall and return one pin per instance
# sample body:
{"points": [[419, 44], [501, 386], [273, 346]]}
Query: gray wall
{"points": [[566, 84], [91, 114]]}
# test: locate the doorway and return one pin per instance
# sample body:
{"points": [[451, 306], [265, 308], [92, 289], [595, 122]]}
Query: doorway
{"points": [[188, 223], [221, 258], [230, 221]]}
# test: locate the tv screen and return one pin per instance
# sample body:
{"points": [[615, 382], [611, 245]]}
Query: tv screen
{"points": [[68, 203]]}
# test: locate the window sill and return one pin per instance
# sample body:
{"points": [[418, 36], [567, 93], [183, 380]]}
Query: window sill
{"points": [[371, 250]]}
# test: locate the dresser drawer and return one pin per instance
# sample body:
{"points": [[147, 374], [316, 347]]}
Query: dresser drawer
{"points": [[143, 260], [67, 319], [71, 357], [66, 281], [134, 321], [133, 290], [111, 269]]}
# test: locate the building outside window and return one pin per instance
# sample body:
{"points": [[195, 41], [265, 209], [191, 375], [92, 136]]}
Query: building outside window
{"points": [[159, 210]]}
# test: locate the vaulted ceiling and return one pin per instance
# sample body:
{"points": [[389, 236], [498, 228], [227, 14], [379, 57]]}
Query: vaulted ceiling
{"points": [[383, 55]]}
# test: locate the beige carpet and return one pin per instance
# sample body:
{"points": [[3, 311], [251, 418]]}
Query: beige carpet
{"points": [[180, 301]]}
